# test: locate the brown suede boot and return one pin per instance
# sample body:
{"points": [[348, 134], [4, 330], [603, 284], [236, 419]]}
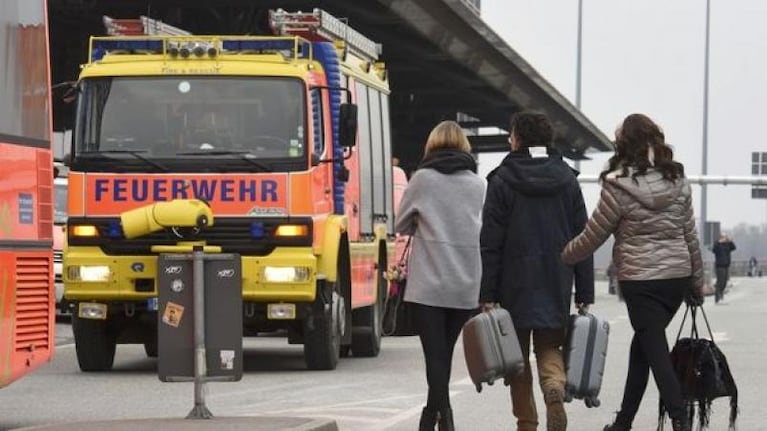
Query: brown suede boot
{"points": [[556, 418]]}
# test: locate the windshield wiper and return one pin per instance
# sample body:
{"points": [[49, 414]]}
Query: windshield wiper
{"points": [[134, 153], [242, 155]]}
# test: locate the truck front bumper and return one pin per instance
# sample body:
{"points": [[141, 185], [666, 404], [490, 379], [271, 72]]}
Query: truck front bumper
{"points": [[285, 275]]}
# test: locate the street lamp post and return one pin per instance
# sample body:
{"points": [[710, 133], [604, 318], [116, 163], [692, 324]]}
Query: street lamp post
{"points": [[578, 66], [704, 168], [578, 61]]}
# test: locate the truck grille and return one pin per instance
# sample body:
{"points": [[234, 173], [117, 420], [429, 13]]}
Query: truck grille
{"points": [[32, 303]]}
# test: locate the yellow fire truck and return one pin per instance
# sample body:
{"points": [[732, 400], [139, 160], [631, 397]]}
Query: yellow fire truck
{"points": [[286, 137]]}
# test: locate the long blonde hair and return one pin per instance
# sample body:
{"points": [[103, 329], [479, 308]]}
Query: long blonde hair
{"points": [[447, 135]]}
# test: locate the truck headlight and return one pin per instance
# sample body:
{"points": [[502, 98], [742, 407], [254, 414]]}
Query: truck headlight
{"points": [[286, 274], [291, 230], [89, 272], [84, 230]]}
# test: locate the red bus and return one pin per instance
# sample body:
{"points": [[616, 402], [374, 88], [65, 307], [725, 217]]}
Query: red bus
{"points": [[27, 318]]}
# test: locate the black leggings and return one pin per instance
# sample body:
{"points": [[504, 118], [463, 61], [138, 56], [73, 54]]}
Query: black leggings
{"points": [[438, 329], [651, 306]]}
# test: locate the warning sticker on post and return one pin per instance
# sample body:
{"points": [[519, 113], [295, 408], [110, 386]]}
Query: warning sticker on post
{"points": [[227, 359], [172, 314]]}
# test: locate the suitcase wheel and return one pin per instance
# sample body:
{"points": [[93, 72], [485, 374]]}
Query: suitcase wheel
{"points": [[491, 382], [591, 402], [568, 397], [507, 381], [478, 386]]}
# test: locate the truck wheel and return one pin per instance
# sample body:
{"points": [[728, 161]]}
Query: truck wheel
{"points": [[366, 339], [94, 344], [366, 326], [322, 343], [150, 347]]}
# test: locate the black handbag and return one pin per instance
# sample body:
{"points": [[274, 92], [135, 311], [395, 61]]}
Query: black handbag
{"points": [[703, 372], [398, 318]]}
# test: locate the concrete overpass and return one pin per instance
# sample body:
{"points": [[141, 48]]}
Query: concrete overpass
{"points": [[442, 60]]}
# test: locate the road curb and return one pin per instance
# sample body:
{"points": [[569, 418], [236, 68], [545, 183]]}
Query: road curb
{"points": [[261, 423]]}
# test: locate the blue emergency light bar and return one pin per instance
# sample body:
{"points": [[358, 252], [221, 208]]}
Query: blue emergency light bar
{"points": [[100, 47], [293, 47], [268, 46]]}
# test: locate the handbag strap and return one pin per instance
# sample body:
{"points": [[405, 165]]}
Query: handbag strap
{"points": [[406, 251], [705, 318], [694, 320], [693, 311], [693, 328], [681, 326]]}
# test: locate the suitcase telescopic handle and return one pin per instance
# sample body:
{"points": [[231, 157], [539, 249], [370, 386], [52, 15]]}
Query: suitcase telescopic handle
{"points": [[503, 329]]}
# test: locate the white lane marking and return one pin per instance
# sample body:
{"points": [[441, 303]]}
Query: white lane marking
{"points": [[337, 406], [464, 381], [404, 415], [339, 418]]}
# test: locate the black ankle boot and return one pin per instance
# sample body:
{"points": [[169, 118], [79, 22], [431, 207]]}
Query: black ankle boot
{"points": [[681, 425], [428, 419], [619, 424], [446, 420], [616, 427]]}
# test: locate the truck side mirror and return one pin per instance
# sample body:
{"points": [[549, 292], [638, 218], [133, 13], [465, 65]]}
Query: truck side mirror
{"points": [[347, 129]]}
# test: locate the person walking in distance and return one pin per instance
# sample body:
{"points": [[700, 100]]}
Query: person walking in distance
{"points": [[533, 207], [722, 251], [441, 209], [646, 204]]}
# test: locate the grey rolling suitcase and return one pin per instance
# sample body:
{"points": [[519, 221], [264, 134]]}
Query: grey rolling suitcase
{"points": [[491, 348], [585, 355]]}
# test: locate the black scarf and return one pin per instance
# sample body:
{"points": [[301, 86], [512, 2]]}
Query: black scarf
{"points": [[448, 161]]}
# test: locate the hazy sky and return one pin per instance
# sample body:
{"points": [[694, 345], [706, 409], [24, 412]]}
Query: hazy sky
{"points": [[648, 56]]}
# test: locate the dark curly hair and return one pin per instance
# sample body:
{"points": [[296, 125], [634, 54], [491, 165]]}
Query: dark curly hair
{"points": [[633, 140], [533, 129]]}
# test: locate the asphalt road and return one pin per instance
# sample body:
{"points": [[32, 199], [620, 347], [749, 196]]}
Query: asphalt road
{"points": [[372, 394]]}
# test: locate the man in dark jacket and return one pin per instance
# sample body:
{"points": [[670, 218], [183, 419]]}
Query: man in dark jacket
{"points": [[533, 207], [722, 250]]}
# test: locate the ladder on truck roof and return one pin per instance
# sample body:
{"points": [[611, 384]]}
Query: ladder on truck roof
{"points": [[319, 25], [140, 27]]}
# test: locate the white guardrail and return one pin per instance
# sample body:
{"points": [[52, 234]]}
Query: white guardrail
{"points": [[723, 180]]}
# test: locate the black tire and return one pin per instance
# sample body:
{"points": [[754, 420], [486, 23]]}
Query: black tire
{"points": [[367, 330], [322, 343], [150, 347], [94, 344]]}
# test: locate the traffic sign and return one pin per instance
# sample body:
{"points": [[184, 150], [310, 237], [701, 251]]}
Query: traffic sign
{"points": [[758, 167]]}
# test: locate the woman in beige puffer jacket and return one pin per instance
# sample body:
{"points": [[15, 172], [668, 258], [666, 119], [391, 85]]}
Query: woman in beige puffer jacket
{"points": [[646, 204]]}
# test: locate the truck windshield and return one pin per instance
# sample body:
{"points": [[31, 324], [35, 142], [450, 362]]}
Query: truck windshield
{"points": [[167, 119]]}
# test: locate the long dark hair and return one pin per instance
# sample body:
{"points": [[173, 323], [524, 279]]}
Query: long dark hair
{"points": [[633, 141]]}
